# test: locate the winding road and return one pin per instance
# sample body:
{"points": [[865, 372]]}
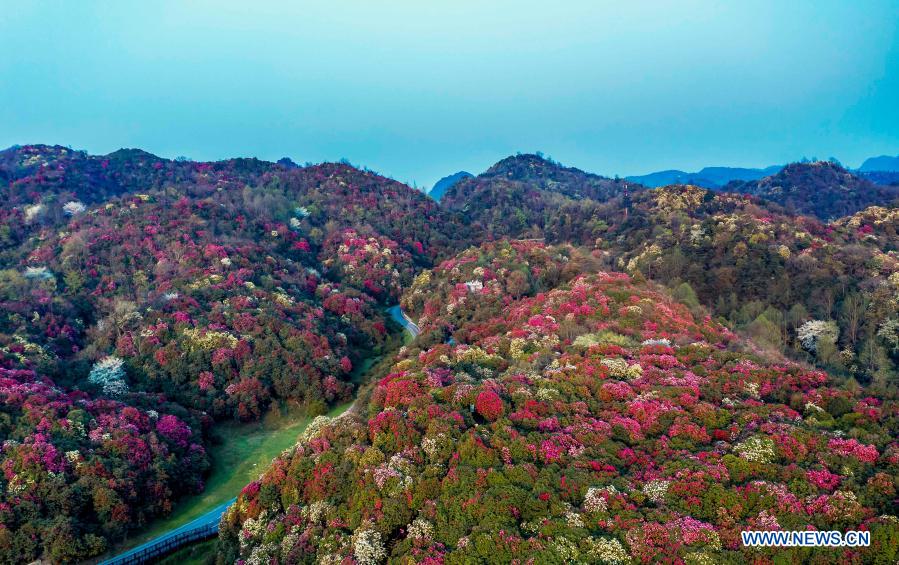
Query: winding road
{"points": [[402, 319], [207, 525]]}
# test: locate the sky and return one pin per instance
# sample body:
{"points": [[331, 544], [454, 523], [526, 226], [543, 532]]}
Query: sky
{"points": [[418, 89]]}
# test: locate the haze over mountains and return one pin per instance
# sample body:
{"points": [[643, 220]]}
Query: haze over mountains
{"points": [[880, 170], [606, 371], [444, 184], [882, 163], [708, 177]]}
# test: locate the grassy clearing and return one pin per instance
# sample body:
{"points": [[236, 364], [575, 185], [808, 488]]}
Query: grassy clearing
{"points": [[241, 454]]}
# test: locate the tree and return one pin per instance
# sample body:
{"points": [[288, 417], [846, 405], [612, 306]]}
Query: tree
{"points": [[685, 293], [852, 313]]}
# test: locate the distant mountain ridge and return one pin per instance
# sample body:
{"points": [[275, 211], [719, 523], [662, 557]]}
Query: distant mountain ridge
{"points": [[881, 163], [708, 177], [879, 170], [444, 184]]}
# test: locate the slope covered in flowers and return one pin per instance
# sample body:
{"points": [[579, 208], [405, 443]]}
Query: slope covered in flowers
{"points": [[597, 421], [481, 282], [77, 471], [221, 294], [768, 273], [218, 312], [46, 185], [215, 290], [764, 269]]}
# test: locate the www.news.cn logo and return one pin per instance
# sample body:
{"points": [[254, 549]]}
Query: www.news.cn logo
{"points": [[805, 539]]}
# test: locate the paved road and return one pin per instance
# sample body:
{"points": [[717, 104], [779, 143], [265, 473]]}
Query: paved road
{"points": [[397, 314], [201, 528], [207, 524]]}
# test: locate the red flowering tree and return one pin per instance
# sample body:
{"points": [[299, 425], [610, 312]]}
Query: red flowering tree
{"points": [[489, 405]]}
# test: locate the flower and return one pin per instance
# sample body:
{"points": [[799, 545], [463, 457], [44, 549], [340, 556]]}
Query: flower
{"points": [[815, 332], [42, 273], [368, 548], [474, 286], [620, 368], [607, 550], [756, 449], [33, 211], [655, 490], [109, 374], [420, 529], [73, 208], [594, 501], [489, 405]]}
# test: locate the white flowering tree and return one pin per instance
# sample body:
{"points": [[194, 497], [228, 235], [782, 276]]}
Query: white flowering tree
{"points": [[109, 374], [368, 548], [73, 208], [816, 333]]}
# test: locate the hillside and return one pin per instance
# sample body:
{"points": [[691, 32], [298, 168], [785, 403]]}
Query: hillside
{"points": [[521, 196], [189, 293], [42, 174], [767, 272], [145, 301], [821, 189], [595, 421], [748, 260]]}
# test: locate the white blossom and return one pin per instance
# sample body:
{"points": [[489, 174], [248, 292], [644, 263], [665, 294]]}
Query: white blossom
{"points": [[757, 449], [368, 548], [656, 490], [42, 273], [33, 211], [420, 529], [73, 208], [474, 286], [607, 550], [109, 373], [593, 501], [814, 332]]}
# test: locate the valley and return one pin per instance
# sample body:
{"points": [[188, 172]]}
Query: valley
{"points": [[590, 369]]}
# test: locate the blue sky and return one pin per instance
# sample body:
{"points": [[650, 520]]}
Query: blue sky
{"points": [[419, 89]]}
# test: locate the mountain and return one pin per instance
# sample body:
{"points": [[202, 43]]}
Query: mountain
{"points": [[444, 184], [749, 260], [587, 418], [822, 188], [882, 163], [880, 170], [604, 372], [522, 195], [708, 177], [144, 300]]}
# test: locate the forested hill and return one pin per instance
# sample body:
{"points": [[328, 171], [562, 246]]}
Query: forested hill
{"points": [[528, 195], [579, 416], [143, 301], [823, 189]]}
